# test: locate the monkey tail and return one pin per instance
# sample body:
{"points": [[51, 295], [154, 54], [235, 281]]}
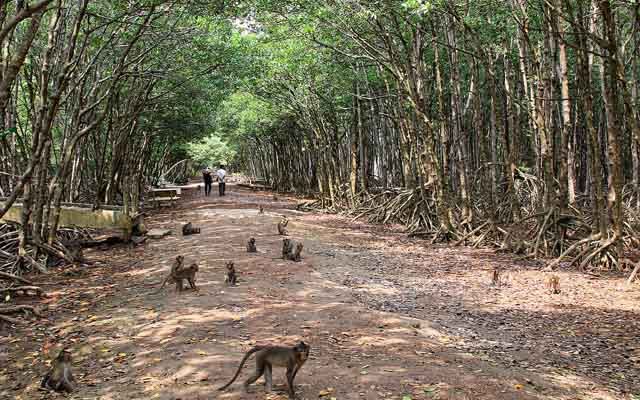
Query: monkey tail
{"points": [[244, 359], [162, 286]]}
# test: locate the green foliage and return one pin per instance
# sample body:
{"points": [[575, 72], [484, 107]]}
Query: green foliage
{"points": [[210, 151]]}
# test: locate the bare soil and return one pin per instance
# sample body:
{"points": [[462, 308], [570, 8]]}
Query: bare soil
{"points": [[387, 317]]}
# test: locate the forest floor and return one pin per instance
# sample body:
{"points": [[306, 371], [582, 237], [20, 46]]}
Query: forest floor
{"points": [[387, 317]]}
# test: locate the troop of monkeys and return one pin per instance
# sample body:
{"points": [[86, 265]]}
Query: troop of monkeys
{"points": [[60, 378], [552, 284]]}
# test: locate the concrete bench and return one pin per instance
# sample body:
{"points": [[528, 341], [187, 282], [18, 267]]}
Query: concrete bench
{"points": [[159, 201], [165, 192]]}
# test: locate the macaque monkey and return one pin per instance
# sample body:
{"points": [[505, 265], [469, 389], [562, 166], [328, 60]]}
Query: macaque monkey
{"points": [[186, 273], [59, 377], [189, 229], [269, 356], [230, 278], [294, 255], [553, 284], [282, 226], [287, 248], [291, 250], [177, 264], [261, 210], [275, 198], [178, 273], [251, 246], [495, 277]]}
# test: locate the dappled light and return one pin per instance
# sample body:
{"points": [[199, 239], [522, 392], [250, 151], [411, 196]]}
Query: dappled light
{"points": [[391, 318], [394, 200]]}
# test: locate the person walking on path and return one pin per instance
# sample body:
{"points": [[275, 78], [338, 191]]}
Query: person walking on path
{"points": [[208, 180], [221, 173]]}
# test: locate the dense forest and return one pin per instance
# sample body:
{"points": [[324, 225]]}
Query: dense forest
{"points": [[512, 124], [418, 199]]}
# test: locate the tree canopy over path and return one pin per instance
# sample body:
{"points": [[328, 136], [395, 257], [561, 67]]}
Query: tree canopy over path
{"points": [[386, 317], [508, 126], [511, 124]]}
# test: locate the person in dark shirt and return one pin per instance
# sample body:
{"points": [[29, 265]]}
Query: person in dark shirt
{"points": [[208, 180]]}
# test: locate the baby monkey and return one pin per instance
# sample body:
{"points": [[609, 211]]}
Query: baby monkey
{"points": [[269, 356], [291, 250], [189, 229], [282, 226], [59, 377], [230, 278], [251, 246]]}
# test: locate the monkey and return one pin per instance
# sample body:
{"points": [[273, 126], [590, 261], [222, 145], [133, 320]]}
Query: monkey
{"points": [[295, 255], [231, 278], [291, 250], [178, 274], [275, 198], [287, 248], [269, 356], [59, 377], [251, 246], [186, 273], [282, 226], [261, 210], [189, 229], [553, 284], [495, 276]]}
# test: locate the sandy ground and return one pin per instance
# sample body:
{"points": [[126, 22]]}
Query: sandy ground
{"points": [[387, 317]]}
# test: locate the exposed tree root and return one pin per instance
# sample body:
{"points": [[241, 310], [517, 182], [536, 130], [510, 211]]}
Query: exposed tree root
{"points": [[11, 277], [25, 290], [27, 310], [562, 233], [634, 274], [13, 321]]}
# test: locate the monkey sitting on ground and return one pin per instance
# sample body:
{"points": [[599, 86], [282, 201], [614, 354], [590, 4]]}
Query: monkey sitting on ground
{"points": [[282, 226], [496, 277], [553, 284], [230, 278], [189, 229], [291, 250], [269, 356], [59, 377], [261, 210], [275, 198], [251, 246]]}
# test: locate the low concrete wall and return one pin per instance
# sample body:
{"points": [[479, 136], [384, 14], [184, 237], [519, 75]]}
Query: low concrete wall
{"points": [[77, 215]]}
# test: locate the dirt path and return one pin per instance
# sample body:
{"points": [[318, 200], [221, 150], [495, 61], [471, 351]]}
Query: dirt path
{"points": [[386, 316]]}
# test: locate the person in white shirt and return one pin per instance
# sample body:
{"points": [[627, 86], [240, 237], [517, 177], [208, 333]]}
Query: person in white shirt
{"points": [[221, 174]]}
